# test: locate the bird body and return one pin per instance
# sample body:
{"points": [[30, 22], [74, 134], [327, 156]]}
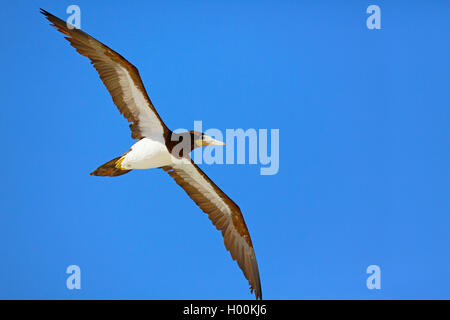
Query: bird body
{"points": [[147, 153], [159, 147]]}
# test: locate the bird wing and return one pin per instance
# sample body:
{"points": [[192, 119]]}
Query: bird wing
{"points": [[224, 214], [120, 77]]}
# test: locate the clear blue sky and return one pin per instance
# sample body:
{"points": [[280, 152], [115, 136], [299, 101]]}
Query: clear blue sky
{"points": [[364, 131]]}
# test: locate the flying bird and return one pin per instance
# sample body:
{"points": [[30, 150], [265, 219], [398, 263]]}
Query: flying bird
{"points": [[159, 147]]}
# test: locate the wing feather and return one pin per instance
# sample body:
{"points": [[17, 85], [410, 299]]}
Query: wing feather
{"points": [[120, 77], [224, 214]]}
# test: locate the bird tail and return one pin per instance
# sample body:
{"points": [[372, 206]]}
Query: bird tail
{"points": [[112, 168]]}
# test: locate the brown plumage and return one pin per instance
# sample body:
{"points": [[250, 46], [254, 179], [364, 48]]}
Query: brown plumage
{"points": [[112, 68], [109, 169], [124, 84], [234, 230]]}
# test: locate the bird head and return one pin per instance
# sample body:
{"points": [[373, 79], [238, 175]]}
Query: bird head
{"points": [[183, 143]]}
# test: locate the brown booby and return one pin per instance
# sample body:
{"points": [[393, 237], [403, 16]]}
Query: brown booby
{"points": [[159, 147]]}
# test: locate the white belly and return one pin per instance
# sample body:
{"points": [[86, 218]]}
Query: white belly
{"points": [[147, 153]]}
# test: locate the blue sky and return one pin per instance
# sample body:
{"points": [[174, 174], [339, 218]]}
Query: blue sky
{"points": [[363, 180]]}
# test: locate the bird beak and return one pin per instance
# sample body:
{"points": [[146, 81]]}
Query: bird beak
{"points": [[208, 141], [215, 142]]}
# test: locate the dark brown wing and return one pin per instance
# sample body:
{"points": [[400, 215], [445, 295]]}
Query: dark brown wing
{"points": [[224, 214], [120, 77]]}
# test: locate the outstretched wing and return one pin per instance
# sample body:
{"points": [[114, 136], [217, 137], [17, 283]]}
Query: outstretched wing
{"points": [[120, 77], [223, 213]]}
